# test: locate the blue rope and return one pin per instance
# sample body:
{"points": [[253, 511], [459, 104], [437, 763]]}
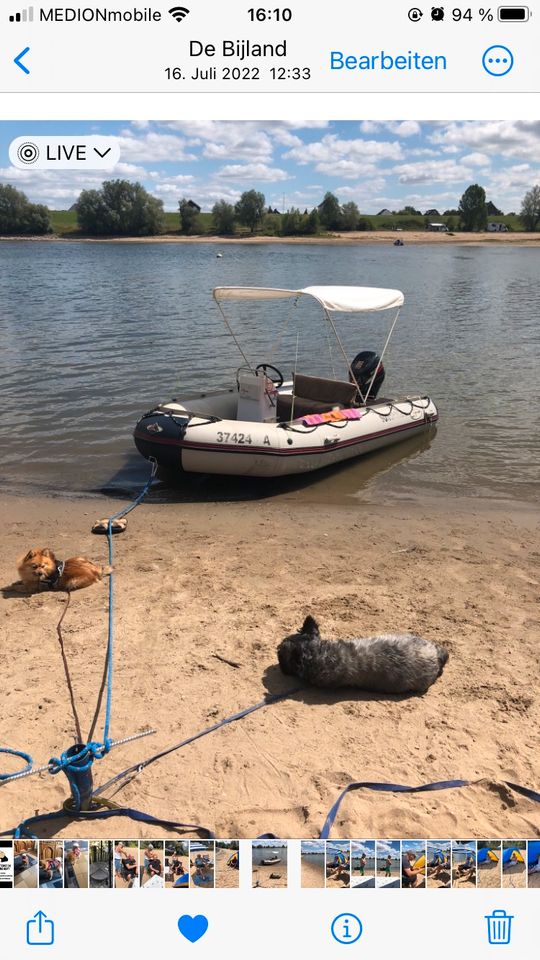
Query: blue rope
{"points": [[16, 753], [78, 763]]}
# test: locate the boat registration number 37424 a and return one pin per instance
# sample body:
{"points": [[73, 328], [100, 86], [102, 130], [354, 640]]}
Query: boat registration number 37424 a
{"points": [[224, 437]]}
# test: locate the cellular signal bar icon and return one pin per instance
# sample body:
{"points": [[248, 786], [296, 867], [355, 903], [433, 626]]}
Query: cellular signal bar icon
{"points": [[25, 16]]}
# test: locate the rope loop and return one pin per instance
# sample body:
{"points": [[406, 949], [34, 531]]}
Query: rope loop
{"points": [[16, 753]]}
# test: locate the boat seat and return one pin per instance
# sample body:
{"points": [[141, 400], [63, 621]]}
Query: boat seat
{"points": [[315, 395]]}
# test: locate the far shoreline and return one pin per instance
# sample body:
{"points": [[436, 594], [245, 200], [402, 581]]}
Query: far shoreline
{"points": [[339, 239]]}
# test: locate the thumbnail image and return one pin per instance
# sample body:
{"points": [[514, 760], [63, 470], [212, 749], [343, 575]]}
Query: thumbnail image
{"points": [[6, 864], [388, 864], [201, 857], [312, 863], [26, 863], [177, 864], [488, 863], [291, 320], [363, 864], [439, 864], [101, 864], [413, 864], [338, 863], [533, 863], [269, 863], [463, 864], [76, 863], [51, 864], [514, 863], [227, 864], [152, 864], [126, 864]]}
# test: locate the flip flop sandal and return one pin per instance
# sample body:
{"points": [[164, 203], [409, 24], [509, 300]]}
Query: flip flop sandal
{"points": [[102, 526]]}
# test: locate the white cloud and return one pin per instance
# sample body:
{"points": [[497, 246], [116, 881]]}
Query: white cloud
{"points": [[499, 138], [353, 156], [404, 128], [433, 171], [476, 160], [255, 172], [153, 148]]}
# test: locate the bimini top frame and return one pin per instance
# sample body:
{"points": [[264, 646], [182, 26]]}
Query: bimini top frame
{"points": [[331, 299]]}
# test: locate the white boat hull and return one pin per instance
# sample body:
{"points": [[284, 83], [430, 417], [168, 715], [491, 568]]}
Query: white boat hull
{"points": [[181, 440]]}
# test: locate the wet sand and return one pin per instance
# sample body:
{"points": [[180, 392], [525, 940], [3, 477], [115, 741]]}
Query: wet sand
{"points": [[226, 878], [197, 580], [312, 873]]}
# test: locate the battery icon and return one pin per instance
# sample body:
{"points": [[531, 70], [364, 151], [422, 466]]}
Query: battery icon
{"points": [[513, 14]]}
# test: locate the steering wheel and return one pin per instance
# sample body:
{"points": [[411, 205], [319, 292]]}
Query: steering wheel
{"points": [[265, 367]]}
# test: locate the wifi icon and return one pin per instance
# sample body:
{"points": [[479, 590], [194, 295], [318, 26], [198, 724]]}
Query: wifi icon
{"points": [[179, 13]]}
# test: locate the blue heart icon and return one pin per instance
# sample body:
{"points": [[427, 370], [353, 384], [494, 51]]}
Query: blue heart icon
{"points": [[193, 928]]}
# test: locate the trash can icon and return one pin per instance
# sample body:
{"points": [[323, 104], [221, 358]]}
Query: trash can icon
{"points": [[499, 926]]}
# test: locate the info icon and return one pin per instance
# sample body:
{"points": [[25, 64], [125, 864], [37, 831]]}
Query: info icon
{"points": [[437, 13], [346, 928], [415, 14]]}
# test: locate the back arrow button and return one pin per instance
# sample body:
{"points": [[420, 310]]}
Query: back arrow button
{"points": [[18, 60]]}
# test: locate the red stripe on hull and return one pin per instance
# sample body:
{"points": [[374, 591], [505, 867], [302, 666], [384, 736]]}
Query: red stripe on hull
{"points": [[228, 448]]}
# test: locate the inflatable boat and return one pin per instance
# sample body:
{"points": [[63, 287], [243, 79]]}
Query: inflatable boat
{"points": [[266, 426]]}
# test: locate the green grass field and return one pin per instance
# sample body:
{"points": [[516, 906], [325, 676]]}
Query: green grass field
{"points": [[64, 223]]}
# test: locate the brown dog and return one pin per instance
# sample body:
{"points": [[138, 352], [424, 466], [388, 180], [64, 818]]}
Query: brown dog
{"points": [[40, 569]]}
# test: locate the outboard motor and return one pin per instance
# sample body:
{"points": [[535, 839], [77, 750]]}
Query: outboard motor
{"points": [[363, 367]]}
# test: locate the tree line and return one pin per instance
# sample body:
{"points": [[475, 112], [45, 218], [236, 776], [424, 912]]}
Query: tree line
{"points": [[123, 208]]}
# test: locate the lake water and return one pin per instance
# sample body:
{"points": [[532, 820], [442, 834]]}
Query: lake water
{"points": [[260, 853], [94, 334]]}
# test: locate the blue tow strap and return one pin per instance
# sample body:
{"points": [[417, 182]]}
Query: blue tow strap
{"points": [[138, 767], [75, 764], [401, 788], [23, 830]]}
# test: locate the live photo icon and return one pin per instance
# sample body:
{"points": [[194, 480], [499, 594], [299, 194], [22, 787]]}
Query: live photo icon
{"points": [[24, 16]]}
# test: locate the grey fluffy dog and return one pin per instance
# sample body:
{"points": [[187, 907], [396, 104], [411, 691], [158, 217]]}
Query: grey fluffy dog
{"points": [[392, 663]]}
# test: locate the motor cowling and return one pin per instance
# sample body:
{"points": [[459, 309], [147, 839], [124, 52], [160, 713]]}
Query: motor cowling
{"points": [[365, 364]]}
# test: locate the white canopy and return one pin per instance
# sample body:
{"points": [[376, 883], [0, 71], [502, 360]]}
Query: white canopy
{"points": [[334, 299]]}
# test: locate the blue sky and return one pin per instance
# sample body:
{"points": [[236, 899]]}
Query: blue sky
{"points": [[359, 847], [385, 847], [378, 165]]}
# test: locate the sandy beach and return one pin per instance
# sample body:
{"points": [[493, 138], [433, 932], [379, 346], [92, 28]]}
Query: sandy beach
{"points": [[339, 883], [441, 880], [533, 881], [350, 237], [196, 582], [312, 873], [489, 875], [225, 878], [466, 882], [514, 876], [270, 877]]}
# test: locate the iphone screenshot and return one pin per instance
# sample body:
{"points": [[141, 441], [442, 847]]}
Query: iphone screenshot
{"points": [[269, 479]]}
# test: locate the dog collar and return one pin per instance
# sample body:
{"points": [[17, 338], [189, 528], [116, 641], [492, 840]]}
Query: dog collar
{"points": [[53, 580]]}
